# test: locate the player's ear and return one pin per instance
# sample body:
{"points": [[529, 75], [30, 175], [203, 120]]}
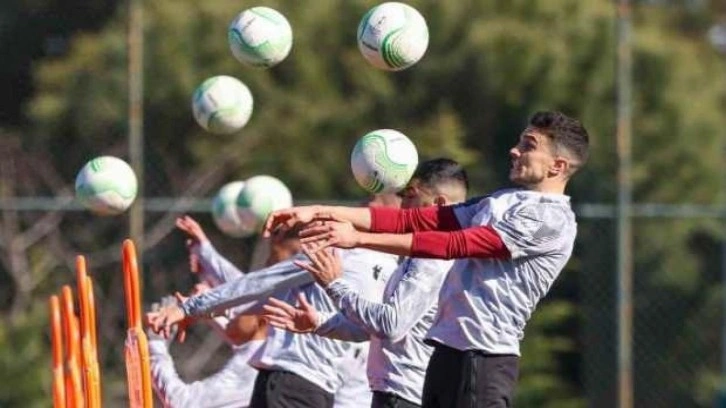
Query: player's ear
{"points": [[560, 167], [441, 200]]}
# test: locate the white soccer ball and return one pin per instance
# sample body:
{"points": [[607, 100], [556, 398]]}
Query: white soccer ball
{"points": [[222, 104], [260, 36], [383, 161], [260, 196], [106, 185], [224, 211], [393, 36]]}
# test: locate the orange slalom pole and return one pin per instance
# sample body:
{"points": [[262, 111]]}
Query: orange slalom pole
{"points": [[74, 386], [131, 355], [136, 348], [128, 255], [94, 337], [56, 341], [89, 359], [91, 299]]}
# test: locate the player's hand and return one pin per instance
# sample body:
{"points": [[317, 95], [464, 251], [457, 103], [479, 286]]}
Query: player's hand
{"points": [[155, 308], [300, 319], [196, 236], [288, 218], [162, 321], [325, 265], [330, 232], [194, 264], [192, 228]]}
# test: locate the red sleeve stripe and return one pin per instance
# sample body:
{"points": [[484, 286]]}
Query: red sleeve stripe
{"points": [[397, 221], [475, 242]]}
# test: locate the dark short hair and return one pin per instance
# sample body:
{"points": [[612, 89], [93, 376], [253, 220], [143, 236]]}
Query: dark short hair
{"points": [[565, 132], [441, 171]]}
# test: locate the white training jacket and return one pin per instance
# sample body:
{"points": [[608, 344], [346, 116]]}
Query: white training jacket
{"points": [[318, 359], [396, 327]]}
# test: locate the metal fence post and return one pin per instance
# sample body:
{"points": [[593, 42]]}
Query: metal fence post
{"points": [[624, 222]]}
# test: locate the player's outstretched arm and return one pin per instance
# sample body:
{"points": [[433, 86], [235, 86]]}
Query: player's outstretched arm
{"points": [[192, 228], [344, 235], [392, 319], [248, 291], [339, 327], [204, 259], [359, 217], [475, 242]]}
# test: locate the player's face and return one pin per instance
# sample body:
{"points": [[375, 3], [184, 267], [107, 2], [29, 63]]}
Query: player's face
{"points": [[416, 195], [532, 158]]}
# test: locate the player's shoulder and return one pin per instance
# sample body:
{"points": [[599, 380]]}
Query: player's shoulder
{"points": [[540, 214], [485, 200], [531, 204]]}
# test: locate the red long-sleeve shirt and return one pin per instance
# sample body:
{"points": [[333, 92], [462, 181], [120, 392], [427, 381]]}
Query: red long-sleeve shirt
{"points": [[438, 234]]}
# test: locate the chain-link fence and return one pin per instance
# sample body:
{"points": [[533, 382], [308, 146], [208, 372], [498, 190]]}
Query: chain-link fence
{"points": [[676, 311]]}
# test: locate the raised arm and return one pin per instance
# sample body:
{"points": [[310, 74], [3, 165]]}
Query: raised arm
{"points": [[214, 268]]}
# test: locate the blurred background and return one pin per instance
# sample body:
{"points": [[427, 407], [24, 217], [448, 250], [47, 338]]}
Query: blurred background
{"points": [[64, 99]]}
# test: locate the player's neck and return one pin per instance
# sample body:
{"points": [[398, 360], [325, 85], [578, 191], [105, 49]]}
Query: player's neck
{"points": [[549, 186]]}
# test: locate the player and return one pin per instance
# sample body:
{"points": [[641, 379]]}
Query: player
{"points": [[397, 326], [295, 370], [232, 385], [509, 248]]}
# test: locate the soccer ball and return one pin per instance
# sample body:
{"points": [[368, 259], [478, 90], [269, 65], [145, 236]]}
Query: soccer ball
{"points": [[260, 196], [393, 36], [222, 104], [260, 36], [106, 185], [383, 161], [224, 211]]}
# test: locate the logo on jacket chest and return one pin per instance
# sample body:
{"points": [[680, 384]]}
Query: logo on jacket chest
{"points": [[377, 272]]}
